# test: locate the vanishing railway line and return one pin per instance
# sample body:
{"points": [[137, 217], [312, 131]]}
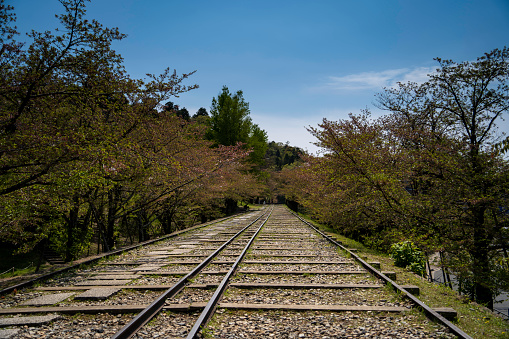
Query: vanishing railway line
{"points": [[264, 274]]}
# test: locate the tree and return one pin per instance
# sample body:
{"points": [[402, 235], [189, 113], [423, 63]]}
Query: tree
{"points": [[202, 112], [231, 124], [356, 185], [431, 171], [202, 117], [257, 141], [169, 106], [60, 69], [75, 132], [279, 155], [230, 121], [183, 113], [461, 105]]}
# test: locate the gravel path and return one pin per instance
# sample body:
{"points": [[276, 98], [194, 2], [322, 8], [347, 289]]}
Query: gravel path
{"points": [[307, 279], [324, 325], [86, 326]]}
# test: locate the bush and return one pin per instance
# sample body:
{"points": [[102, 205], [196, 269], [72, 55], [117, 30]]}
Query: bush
{"points": [[406, 254]]}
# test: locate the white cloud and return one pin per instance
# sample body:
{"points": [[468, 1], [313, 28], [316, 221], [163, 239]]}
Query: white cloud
{"points": [[418, 75], [284, 128], [378, 80]]}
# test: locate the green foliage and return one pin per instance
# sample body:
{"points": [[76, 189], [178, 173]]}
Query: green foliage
{"points": [[231, 124], [431, 171], [406, 254], [279, 155], [258, 142], [201, 112], [10, 259], [230, 119], [85, 149], [81, 237], [183, 113]]}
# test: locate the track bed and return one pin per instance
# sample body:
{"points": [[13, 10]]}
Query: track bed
{"points": [[265, 274]]}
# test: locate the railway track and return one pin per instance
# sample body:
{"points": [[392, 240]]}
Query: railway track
{"points": [[265, 274]]}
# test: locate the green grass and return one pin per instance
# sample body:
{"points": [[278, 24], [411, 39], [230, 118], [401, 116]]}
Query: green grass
{"points": [[17, 273], [208, 330], [474, 319], [24, 263]]}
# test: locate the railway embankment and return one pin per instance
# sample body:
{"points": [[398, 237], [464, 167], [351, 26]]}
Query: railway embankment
{"points": [[476, 320]]}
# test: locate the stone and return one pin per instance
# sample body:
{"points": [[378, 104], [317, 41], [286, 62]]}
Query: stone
{"points": [[181, 251], [114, 277], [299, 272], [103, 282], [332, 308], [97, 293], [155, 256], [147, 267], [8, 333], [167, 248], [302, 286], [47, 299], [187, 246], [30, 321], [186, 243], [158, 253]]}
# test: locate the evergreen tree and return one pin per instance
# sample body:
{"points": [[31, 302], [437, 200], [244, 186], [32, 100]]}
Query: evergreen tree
{"points": [[231, 124]]}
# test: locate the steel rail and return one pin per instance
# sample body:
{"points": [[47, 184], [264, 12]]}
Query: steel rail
{"points": [[107, 254], [214, 300], [156, 306], [428, 310]]}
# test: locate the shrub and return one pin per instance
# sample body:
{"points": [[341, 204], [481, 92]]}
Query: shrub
{"points": [[406, 254]]}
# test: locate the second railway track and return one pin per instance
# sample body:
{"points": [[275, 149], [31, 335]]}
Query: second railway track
{"points": [[290, 282]]}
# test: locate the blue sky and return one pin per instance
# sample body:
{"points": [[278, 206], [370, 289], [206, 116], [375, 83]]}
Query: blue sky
{"points": [[296, 61]]}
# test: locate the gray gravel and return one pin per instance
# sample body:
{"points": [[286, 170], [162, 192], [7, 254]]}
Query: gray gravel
{"points": [[123, 297], [350, 297], [169, 325], [86, 326], [323, 325], [301, 267], [191, 295], [156, 280], [208, 279], [307, 279]]}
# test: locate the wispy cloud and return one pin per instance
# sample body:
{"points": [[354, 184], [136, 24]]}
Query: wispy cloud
{"points": [[418, 75], [377, 80], [289, 129]]}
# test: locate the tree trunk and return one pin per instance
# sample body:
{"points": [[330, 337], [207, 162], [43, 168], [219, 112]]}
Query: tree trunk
{"points": [[113, 200], [481, 262], [165, 218], [230, 206], [41, 246], [72, 225], [481, 235], [142, 222]]}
